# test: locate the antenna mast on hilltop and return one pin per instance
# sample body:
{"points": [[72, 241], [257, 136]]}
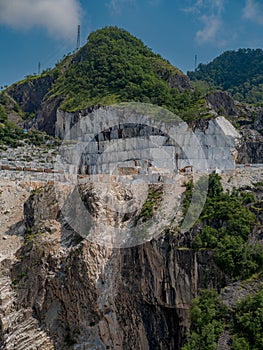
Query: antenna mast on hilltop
{"points": [[78, 39], [195, 62]]}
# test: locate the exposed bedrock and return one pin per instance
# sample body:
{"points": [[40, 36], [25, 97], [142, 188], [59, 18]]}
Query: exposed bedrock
{"points": [[84, 296], [29, 94], [88, 296], [108, 137]]}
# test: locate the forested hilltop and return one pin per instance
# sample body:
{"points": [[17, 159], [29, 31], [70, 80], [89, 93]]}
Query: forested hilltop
{"points": [[112, 67], [238, 72], [115, 66]]}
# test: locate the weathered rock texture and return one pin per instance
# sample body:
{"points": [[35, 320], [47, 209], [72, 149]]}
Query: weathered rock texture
{"points": [[59, 291], [84, 296], [250, 150], [222, 103], [109, 137], [29, 95], [45, 118], [180, 81]]}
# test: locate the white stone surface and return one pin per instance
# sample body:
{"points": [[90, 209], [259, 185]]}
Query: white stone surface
{"points": [[208, 148]]}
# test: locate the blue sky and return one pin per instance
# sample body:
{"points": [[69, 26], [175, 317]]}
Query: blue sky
{"points": [[33, 31]]}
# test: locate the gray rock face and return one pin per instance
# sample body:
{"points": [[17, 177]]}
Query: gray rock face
{"points": [[32, 98], [222, 103], [258, 123], [181, 82], [45, 119], [110, 137], [29, 95], [250, 150], [87, 296], [83, 295]]}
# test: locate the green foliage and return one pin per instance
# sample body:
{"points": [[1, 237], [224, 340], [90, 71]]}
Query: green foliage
{"points": [[248, 323], [13, 136], [226, 224], [203, 86], [188, 195], [8, 104], [3, 107], [239, 72], [116, 67], [3, 114], [195, 196], [153, 199], [208, 315], [10, 134]]}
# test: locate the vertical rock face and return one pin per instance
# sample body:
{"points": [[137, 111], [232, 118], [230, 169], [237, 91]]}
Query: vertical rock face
{"points": [[181, 82], [222, 103], [111, 136], [29, 95], [258, 123], [251, 149], [137, 298], [46, 116], [86, 296], [158, 283]]}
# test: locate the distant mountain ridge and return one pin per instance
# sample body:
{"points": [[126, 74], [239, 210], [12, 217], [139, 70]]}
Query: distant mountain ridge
{"points": [[238, 72]]}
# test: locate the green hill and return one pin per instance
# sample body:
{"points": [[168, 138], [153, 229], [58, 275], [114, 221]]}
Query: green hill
{"points": [[238, 72], [114, 66]]}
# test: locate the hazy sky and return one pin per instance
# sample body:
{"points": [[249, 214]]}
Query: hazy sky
{"points": [[33, 31]]}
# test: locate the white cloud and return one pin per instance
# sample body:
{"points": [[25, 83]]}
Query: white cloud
{"points": [[211, 6], [116, 6], [253, 10], [193, 7], [209, 13], [212, 25], [59, 17]]}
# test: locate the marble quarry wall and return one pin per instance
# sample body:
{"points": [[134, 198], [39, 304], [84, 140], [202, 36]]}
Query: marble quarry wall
{"points": [[108, 139]]}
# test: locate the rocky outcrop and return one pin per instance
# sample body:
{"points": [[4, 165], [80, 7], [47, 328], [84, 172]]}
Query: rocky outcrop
{"points": [[133, 134], [258, 122], [87, 296], [180, 81], [250, 150], [33, 98], [165, 281], [222, 103], [250, 122], [45, 119], [19, 329], [62, 291], [30, 94]]}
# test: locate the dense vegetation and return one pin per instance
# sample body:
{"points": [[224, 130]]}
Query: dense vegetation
{"points": [[13, 136], [224, 227], [210, 317], [116, 67], [152, 201], [239, 72], [248, 323], [225, 224]]}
